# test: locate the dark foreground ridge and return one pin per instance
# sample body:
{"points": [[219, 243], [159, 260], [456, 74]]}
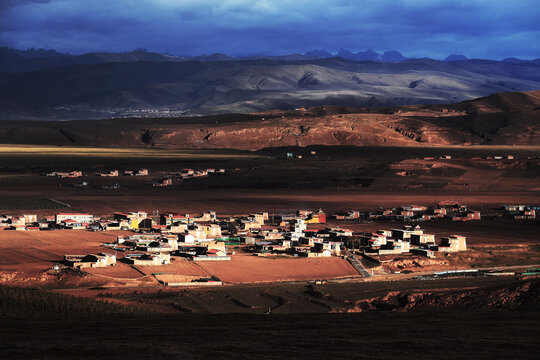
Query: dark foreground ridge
{"points": [[436, 334], [480, 326]]}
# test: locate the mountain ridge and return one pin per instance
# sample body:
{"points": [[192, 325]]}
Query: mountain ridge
{"points": [[15, 60], [149, 88]]}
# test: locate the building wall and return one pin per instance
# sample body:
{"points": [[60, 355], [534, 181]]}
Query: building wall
{"points": [[82, 218]]}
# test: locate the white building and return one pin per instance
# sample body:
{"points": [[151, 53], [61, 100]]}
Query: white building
{"points": [[80, 218]]}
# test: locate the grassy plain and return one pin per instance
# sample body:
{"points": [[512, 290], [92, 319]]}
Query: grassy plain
{"points": [[28, 156], [334, 178]]}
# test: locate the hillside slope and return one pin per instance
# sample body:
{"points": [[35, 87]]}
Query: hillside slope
{"points": [[507, 118], [115, 89]]}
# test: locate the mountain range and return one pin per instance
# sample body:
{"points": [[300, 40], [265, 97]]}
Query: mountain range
{"points": [[14, 60], [141, 83]]}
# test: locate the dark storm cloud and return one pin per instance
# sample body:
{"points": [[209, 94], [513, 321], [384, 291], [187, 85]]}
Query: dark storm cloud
{"points": [[489, 29]]}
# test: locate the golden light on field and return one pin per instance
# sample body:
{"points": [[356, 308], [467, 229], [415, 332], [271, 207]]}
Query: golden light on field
{"points": [[36, 150]]}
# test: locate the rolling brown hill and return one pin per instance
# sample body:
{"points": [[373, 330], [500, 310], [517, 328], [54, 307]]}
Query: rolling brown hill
{"points": [[504, 118]]}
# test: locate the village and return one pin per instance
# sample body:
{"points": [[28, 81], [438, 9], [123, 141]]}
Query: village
{"points": [[162, 239], [164, 179]]}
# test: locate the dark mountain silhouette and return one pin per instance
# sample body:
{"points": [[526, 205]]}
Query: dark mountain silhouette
{"points": [[454, 57], [345, 54], [367, 55], [359, 56], [513, 60], [213, 57], [392, 56], [37, 53], [13, 61]]}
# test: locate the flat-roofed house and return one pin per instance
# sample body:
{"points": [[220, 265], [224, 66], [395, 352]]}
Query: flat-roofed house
{"points": [[30, 218], [80, 218], [148, 260], [186, 238], [453, 243], [170, 218], [418, 239], [90, 260]]}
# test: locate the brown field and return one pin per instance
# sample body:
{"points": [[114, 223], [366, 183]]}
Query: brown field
{"points": [[121, 271], [230, 202], [27, 255], [177, 267], [253, 269], [337, 178], [48, 247]]}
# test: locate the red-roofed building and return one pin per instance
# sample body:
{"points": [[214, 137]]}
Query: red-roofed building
{"points": [[73, 224], [170, 218]]}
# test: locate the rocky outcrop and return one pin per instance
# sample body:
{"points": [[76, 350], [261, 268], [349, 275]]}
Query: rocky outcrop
{"points": [[521, 296]]}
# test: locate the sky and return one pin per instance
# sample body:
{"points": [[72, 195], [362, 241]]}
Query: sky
{"points": [[488, 29]]}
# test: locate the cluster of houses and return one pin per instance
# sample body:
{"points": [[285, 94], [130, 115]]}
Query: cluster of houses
{"points": [[190, 173], [496, 157], [194, 228], [291, 155], [156, 249], [116, 173], [158, 238], [520, 212], [443, 157], [409, 239], [288, 234], [204, 237], [111, 173], [444, 210], [197, 238], [27, 222], [139, 172], [65, 174], [185, 174], [22, 222], [167, 180]]}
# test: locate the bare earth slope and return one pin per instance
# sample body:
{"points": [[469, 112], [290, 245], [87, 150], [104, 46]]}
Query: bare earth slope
{"points": [[499, 119]]}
